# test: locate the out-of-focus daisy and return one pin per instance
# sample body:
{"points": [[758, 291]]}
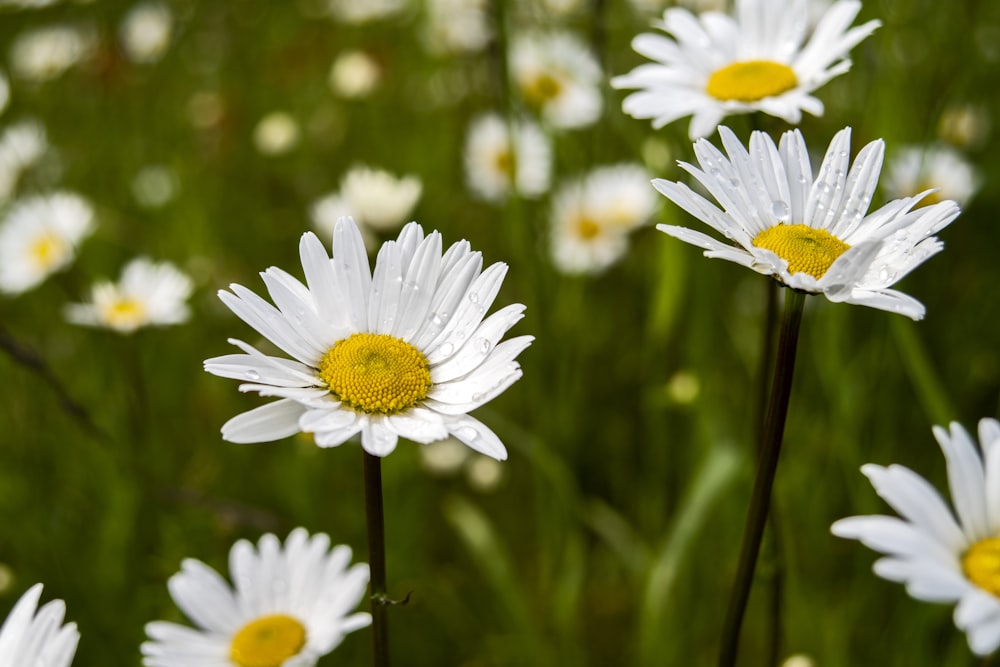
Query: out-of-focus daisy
{"points": [[496, 164], [276, 133], [375, 198], [914, 169], [41, 54], [291, 605], [145, 31], [457, 26], [37, 640], [21, 146], [592, 215], [148, 294], [364, 11], [715, 65], [39, 236], [556, 74], [811, 234], [937, 558], [154, 186], [405, 351], [965, 125], [354, 74]]}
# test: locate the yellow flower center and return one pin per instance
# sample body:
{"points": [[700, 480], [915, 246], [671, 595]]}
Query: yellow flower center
{"points": [[48, 250], [376, 373], [541, 89], [751, 80], [981, 564], [124, 313], [267, 641], [807, 250], [504, 162], [587, 228]]}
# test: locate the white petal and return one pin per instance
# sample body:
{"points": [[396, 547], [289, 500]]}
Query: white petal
{"points": [[965, 478], [478, 436], [204, 597], [479, 345], [272, 421], [350, 265], [377, 438]]}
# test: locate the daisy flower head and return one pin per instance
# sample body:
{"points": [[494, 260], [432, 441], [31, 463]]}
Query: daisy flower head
{"points": [[374, 198], [715, 65], [813, 234], [914, 169], [37, 639], [937, 558], [39, 236], [148, 294], [592, 216], [557, 75], [401, 351], [290, 605], [501, 160]]}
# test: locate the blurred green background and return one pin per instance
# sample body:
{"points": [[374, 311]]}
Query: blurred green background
{"points": [[610, 536]]}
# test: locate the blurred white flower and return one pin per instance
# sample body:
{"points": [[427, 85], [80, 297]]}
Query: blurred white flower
{"points": [[965, 125], [496, 165], [592, 215], [21, 146], [375, 198], [28, 639], [557, 75], [154, 185], [39, 236], [291, 605], [27, 4], [364, 11], [444, 457], [276, 133], [354, 74], [41, 54], [484, 473], [714, 65], [148, 294], [145, 31], [916, 169], [937, 558], [457, 26]]}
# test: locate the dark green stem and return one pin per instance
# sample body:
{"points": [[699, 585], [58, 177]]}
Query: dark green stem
{"points": [[767, 464], [376, 560]]}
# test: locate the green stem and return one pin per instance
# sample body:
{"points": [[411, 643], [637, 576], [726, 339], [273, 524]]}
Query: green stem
{"points": [[767, 464], [376, 560]]}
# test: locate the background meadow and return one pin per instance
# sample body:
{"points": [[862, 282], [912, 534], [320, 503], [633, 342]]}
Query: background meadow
{"points": [[610, 535]]}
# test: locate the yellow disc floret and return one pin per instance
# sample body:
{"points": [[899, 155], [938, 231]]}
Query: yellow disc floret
{"points": [[981, 564], [48, 250], [541, 89], [376, 373], [750, 81], [267, 641], [123, 313], [807, 250]]}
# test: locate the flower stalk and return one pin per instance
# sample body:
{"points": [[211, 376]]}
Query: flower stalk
{"points": [[767, 464], [374, 517]]}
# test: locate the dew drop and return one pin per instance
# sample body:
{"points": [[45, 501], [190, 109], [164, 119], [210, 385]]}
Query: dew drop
{"points": [[466, 433], [253, 375], [485, 345], [447, 349], [474, 297], [436, 319], [779, 210]]}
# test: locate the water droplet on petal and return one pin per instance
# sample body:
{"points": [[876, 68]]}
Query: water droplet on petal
{"points": [[447, 349], [253, 375], [485, 345], [436, 319], [466, 433], [779, 210], [474, 297]]}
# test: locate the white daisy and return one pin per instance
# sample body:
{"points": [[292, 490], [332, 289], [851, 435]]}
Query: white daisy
{"points": [[39, 236], [937, 558], [457, 26], [373, 197], [148, 294], [497, 164], [915, 169], [291, 606], [357, 12], [401, 352], [592, 215], [37, 640], [21, 146], [558, 75], [145, 31], [41, 54], [354, 74], [812, 234], [715, 65]]}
